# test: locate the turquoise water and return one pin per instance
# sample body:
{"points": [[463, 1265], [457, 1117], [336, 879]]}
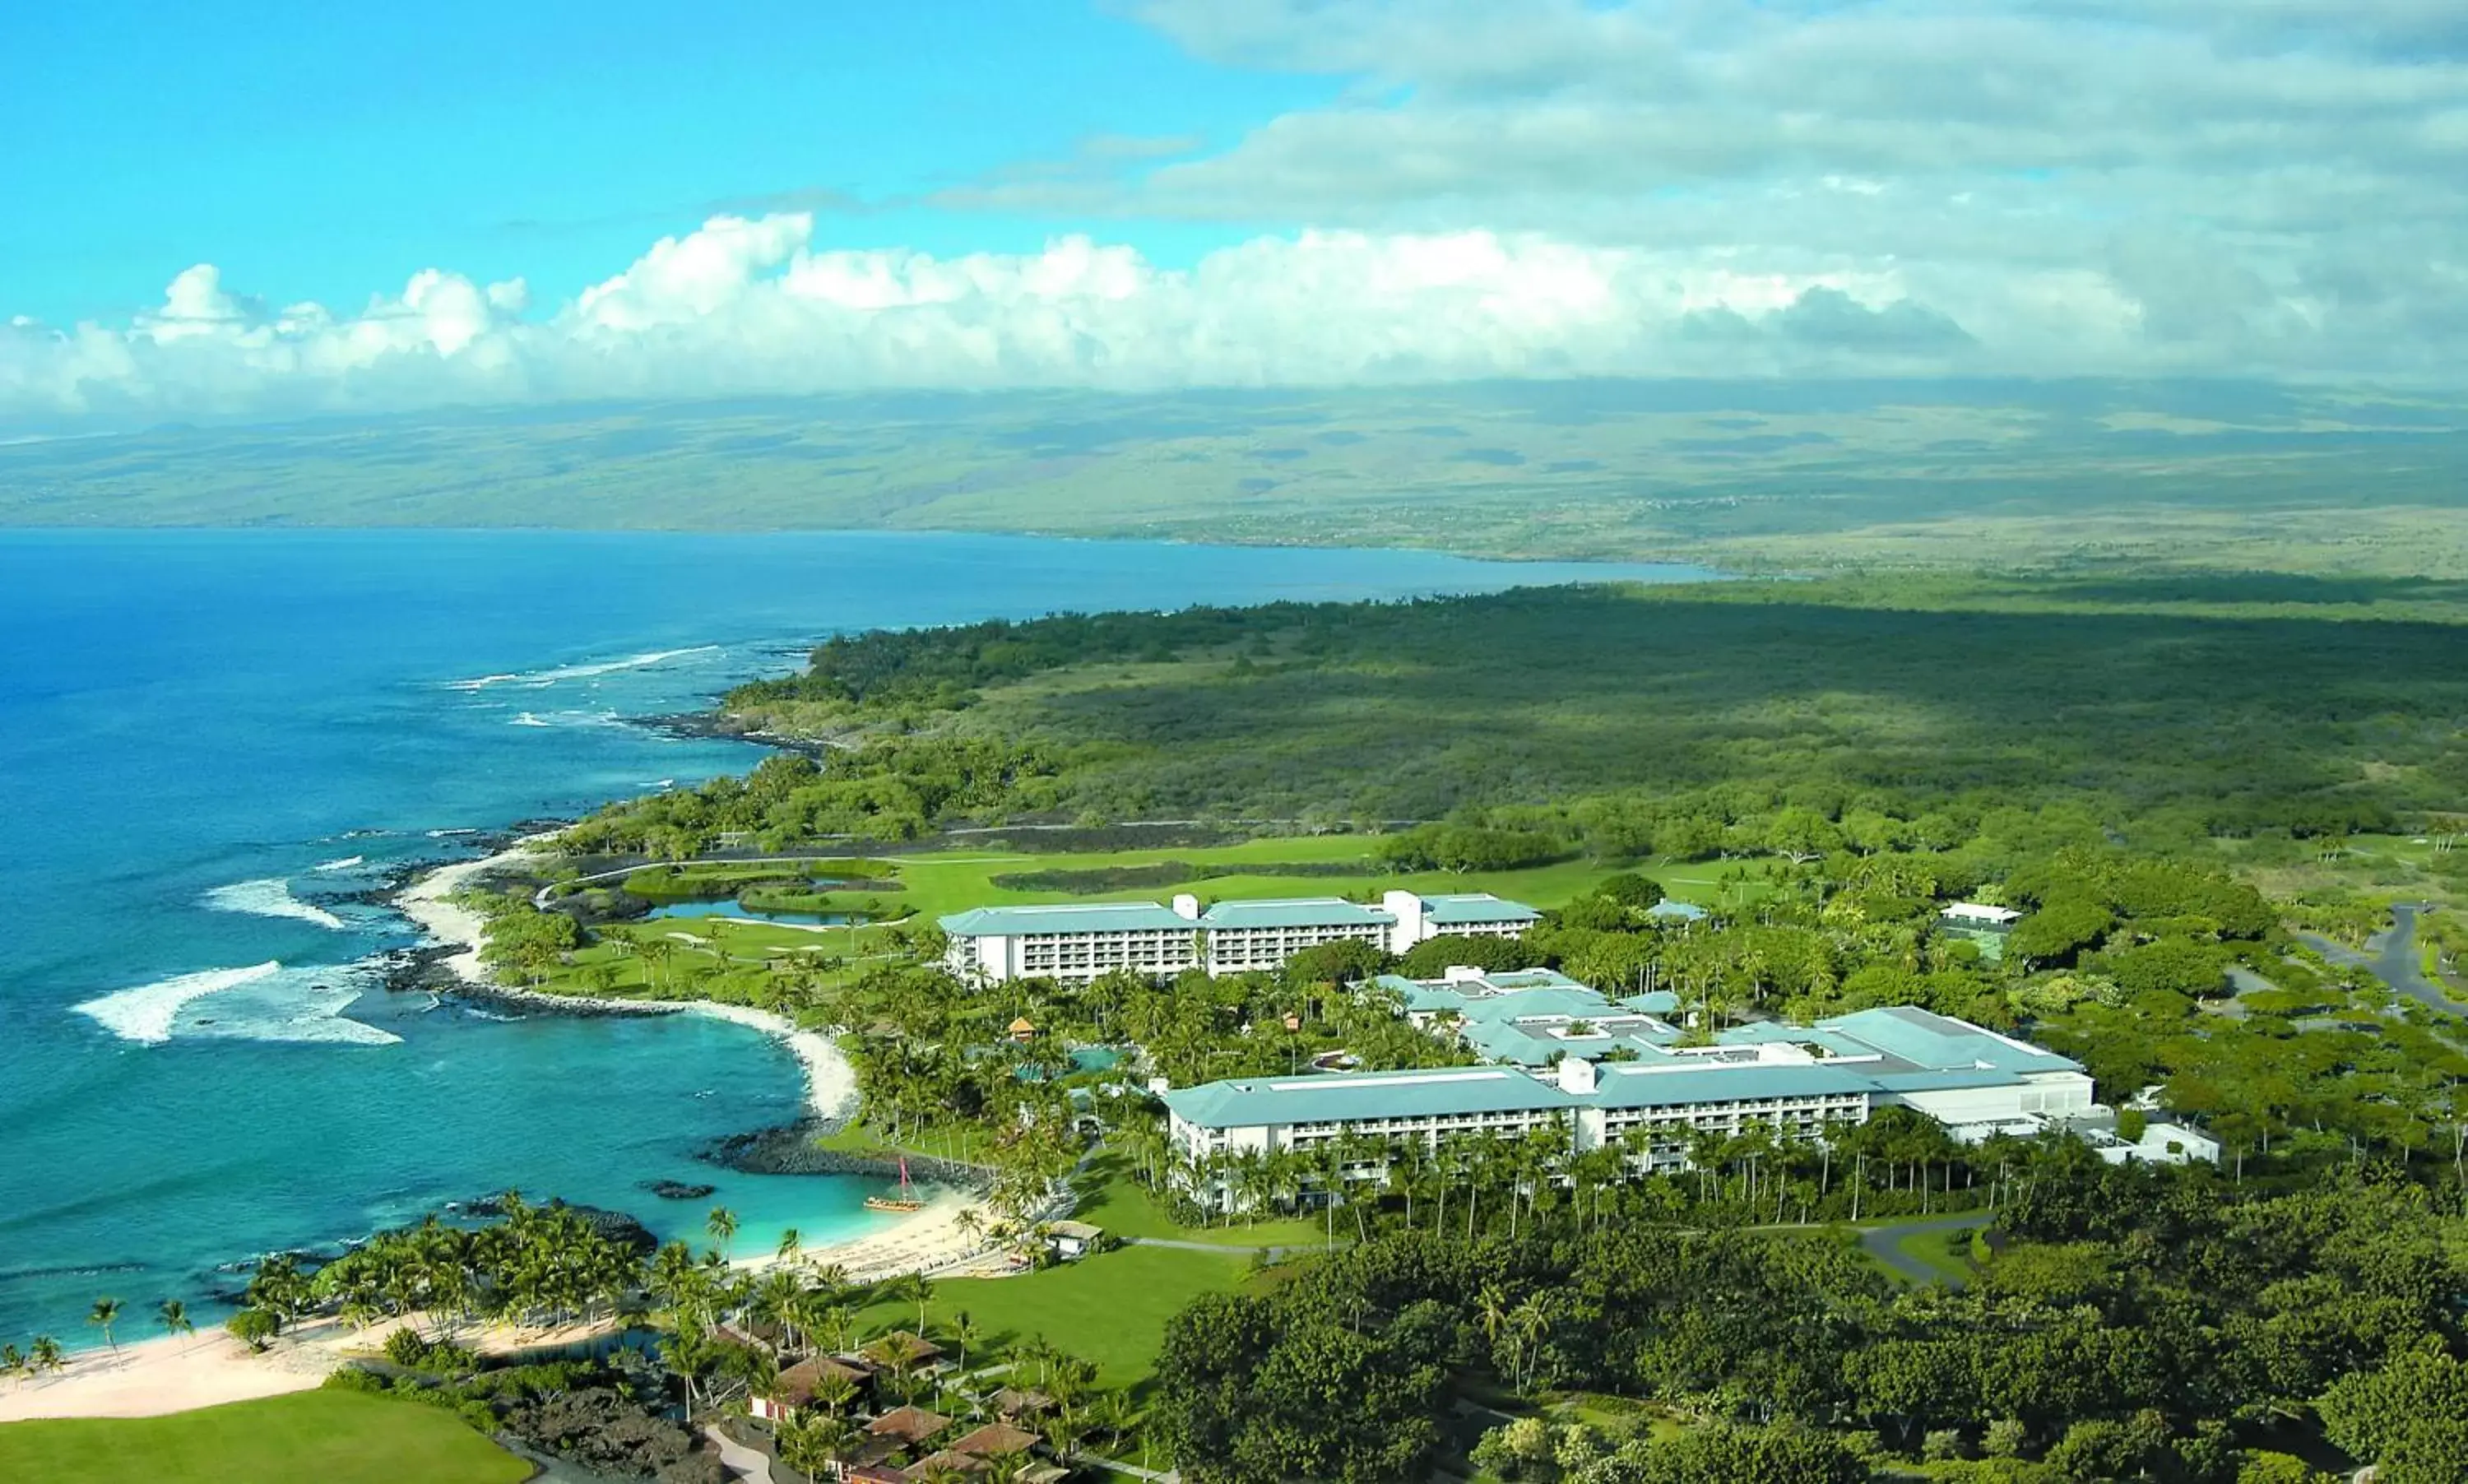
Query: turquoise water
{"points": [[734, 908], [209, 740]]}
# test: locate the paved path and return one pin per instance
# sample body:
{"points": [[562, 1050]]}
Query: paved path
{"points": [[1229, 1248], [1134, 1470], [2392, 956], [1880, 1242], [740, 1462]]}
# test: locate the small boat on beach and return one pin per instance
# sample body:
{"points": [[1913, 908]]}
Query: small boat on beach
{"points": [[902, 1200]]}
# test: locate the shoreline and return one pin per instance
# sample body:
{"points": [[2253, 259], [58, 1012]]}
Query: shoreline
{"points": [[167, 1374], [831, 1083]]}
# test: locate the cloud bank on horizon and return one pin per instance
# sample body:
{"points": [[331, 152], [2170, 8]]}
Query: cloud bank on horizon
{"points": [[1522, 187]]}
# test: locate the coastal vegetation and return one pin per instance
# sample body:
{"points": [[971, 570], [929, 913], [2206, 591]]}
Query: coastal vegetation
{"points": [[1680, 723]]}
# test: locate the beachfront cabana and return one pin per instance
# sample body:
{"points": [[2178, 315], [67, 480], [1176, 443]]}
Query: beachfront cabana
{"points": [[1013, 1404], [910, 1427], [902, 1351], [997, 1440], [799, 1386], [1075, 1239]]}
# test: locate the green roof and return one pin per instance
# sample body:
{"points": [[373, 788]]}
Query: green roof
{"points": [[1360, 1095], [1929, 1041], [1093, 917], [1663, 1084], [1295, 912], [1476, 907]]}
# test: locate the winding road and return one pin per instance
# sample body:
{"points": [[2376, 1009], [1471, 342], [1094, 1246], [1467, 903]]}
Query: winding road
{"points": [[2392, 956], [1882, 1242]]}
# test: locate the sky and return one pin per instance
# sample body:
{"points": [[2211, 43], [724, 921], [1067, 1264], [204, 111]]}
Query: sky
{"points": [[216, 210]]}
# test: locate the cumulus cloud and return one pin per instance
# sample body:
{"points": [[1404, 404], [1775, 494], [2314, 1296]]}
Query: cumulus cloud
{"points": [[1505, 188], [754, 305], [2275, 187]]}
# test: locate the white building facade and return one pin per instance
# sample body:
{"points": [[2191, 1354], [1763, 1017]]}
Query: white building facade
{"points": [[1794, 1081], [1075, 943]]}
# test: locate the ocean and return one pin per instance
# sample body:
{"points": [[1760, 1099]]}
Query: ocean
{"points": [[213, 741]]}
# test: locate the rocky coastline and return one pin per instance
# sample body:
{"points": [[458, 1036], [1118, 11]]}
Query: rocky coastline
{"points": [[794, 1149], [717, 725]]}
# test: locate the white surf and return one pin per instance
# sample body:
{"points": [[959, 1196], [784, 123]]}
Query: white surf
{"points": [[271, 896], [537, 679], [146, 1013]]}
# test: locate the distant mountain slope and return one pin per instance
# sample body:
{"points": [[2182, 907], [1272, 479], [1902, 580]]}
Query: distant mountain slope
{"points": [[1953, 473]]}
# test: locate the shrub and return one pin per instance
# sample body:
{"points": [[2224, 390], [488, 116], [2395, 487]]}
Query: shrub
{"points": [[2005, 1438], [255, 1328]]}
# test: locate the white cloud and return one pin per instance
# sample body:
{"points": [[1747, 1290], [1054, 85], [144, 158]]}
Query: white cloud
{"points": [[1528, 188], [753, 305]]}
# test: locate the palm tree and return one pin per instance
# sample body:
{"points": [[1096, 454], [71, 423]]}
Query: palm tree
{"points": [[811, 1444], [46, 1355], [914, 1288], [793, 1247], [1118, 1414], [175, 1317], [12, 1362], [106, 1313], [723, 1226], [835, 1390], [963, 1330], [970, 1222]]}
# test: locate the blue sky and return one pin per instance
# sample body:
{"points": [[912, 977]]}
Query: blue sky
{"points": [[225, 212], [321, 151]]}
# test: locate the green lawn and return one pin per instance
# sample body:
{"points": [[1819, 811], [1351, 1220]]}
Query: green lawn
{"points": [[1933, 1249], [1110, 1308], [954, 881], [1111, 1199], [314, 1437]]}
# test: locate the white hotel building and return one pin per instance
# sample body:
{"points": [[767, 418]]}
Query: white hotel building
{"points": [[1076, 942], [1652, 1092]]}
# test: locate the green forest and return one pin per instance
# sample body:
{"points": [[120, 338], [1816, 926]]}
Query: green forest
{"points": [[1622, 719]]}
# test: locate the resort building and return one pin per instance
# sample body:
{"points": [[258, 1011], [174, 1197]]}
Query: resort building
{"points": [[1476, 914], [1601, 1072], [1075, 943], [1979, 914]]}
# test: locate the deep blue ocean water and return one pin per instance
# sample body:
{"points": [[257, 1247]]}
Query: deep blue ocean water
{"points": [[209, 739]]}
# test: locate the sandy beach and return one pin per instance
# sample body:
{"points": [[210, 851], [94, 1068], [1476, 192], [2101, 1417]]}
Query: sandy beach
{"points": [[173, 1374], [831, 1084], [930, 1240], [178, 1373]]}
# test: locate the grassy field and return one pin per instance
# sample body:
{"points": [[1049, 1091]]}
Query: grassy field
{"points": [[946, 881], [1935, 1249], [315, 1437], [1110, 1308], [1109, 1198]]}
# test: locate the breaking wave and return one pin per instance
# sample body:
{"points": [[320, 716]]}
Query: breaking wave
{"points": [[271, 896], [536, 678], [263, 1002], [145, 1013], [344, 864]]}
